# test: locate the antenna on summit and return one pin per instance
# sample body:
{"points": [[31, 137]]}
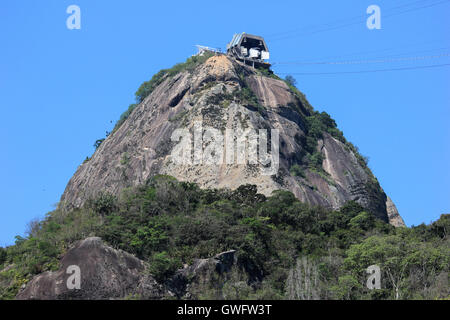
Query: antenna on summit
{"points": [[203, 49]]}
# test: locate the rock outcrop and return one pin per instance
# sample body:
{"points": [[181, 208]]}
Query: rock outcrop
{"points": [[394, 217], [142, 146], [107, 273], [192, 280]]}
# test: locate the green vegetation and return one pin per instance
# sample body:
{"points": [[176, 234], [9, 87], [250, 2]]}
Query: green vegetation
{"points": [[124, 116], [98, 143], [170, 223], [268, 73], [244, 96], [297, 171], [191, 63], [316, 124], [290, 80], [162, 265], [125, 159], [147, 87], [247, 97], [300, 96], [223, 98]]}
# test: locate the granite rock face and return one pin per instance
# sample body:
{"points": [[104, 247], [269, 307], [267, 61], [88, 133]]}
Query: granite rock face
{"points": [[107, 273], [192, 280], [394, 217], [143, 146]]}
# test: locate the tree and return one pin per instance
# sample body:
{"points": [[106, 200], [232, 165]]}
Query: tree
{"points": [[290, 80], [162, 265], [346, 287], [364, 221], [104, 203], [303, 281], [98, 143], [3, 255], [33, 227], [388, 253], [407, 263]]}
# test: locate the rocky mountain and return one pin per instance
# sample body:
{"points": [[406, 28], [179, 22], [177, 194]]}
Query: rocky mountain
{"points": [[316, 163], [223, 182]]}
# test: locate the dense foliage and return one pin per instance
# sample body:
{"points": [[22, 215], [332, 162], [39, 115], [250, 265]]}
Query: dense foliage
{"points": [[286, 249]]}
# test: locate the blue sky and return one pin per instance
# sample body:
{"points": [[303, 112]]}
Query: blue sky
{"points": [[62, 89]]}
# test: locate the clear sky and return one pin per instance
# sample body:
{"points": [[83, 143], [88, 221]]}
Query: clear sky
{"points": [[62, 89]]}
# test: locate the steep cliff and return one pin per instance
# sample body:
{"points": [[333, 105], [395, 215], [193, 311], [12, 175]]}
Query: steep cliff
{"points": [[316, 163]]}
